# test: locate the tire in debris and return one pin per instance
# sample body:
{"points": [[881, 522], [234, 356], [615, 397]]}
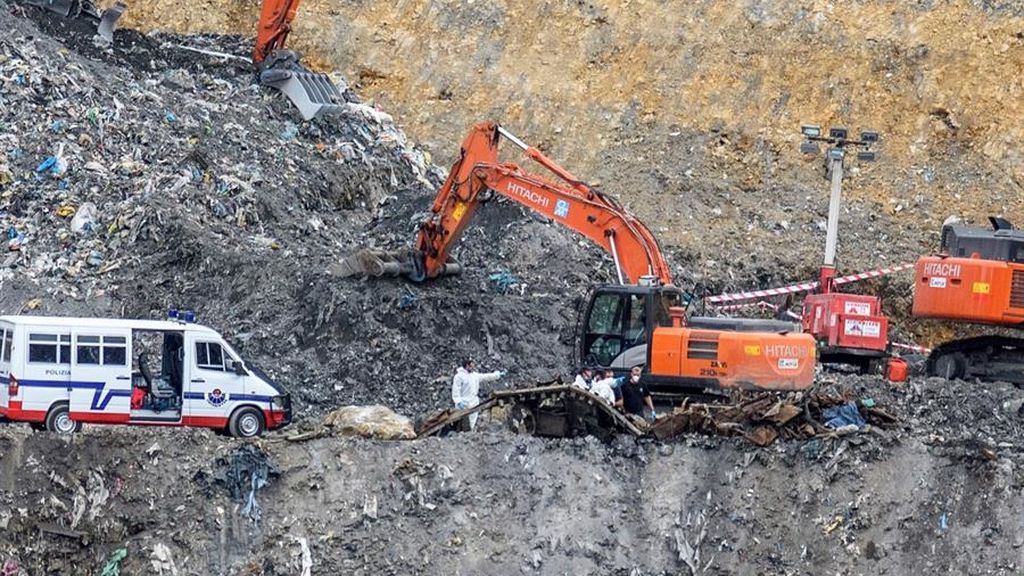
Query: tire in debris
{"points": [[58, 420], [246, 422]]}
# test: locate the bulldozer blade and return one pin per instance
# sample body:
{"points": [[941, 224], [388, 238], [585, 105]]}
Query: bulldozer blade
{"points": [[62, 7], [312, 93], [108, 22]]}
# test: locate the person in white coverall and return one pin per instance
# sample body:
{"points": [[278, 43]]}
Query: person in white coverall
{"points": [[583, 378], [466, 388], [604, 387]]}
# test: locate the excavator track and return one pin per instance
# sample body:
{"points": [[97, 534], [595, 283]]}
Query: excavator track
{"points": [[987, 358]]}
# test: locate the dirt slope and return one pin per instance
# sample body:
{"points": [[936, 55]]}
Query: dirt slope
{"points": [[685, 107]]}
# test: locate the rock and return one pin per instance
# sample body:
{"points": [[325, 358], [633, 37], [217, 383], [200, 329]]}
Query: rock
{"points": [[370, 422]]}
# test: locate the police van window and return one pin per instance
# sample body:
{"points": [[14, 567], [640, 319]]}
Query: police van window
{"points": [[88, 351], [209, 356], [115, 351], [105, 350], [8, 340], [49, 348]]}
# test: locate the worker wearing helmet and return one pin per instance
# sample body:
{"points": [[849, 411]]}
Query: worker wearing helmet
{"points": [[466, 387]]}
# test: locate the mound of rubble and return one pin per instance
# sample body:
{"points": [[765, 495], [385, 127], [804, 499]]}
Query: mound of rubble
{"points": [[140, 177], [935, 492]]}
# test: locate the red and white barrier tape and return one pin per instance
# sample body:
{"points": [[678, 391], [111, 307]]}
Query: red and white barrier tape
{"points": [[873, 273], [804, 286], [762, 304]]}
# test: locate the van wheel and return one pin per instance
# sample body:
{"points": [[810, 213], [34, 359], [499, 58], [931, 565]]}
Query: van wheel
{"points": [[246, 422], [59, 420]]}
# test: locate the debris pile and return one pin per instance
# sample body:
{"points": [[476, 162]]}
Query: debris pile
{"points": [[141, 177], [939, 485], [763, 417]]}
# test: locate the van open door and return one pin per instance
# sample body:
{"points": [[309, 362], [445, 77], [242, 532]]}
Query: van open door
{"points": [[101, 376]]}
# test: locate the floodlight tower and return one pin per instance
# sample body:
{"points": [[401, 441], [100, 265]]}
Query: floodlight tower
{"points": [[838, 141], [849, 328]]}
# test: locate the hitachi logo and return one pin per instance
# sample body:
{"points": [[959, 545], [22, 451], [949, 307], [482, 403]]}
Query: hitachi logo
{"points": [[940, 269], [527, 194], [785, 351]]}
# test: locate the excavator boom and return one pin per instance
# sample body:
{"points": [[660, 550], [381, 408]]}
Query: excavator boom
{"points": [[569, 201], [642, 320]]}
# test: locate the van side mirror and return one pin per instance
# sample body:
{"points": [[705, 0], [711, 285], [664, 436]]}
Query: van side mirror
{"points": [[235, 366]]}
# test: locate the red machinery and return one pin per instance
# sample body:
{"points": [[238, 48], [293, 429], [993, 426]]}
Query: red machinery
{"points": [[849, 328], [638, 322], [978, 277]]}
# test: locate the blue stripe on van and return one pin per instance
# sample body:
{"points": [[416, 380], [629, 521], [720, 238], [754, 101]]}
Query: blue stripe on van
{"points": [[249, 397], [193, 396], [99, 400]]}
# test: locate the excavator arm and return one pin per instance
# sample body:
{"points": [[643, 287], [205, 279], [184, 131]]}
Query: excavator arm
{"points": [[275, 23], [312, 93], [568, 202]]}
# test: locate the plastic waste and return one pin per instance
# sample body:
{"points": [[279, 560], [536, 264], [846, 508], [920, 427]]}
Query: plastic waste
{"points": [[84, 221]]}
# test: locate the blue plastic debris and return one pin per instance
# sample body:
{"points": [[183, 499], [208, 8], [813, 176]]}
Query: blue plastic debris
{"points": [[503, 280], [290, 132], [54, 165], [12, 233], [944, 521], [47, 164], [845, 415], [170, 118], [57, 126], [406, 301]]}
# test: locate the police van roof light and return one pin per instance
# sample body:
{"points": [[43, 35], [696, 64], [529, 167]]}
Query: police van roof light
{"points": [[172, 314], [190, 316]]}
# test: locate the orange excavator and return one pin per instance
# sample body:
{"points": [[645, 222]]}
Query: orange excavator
{"points": [[978, 277], [642, 320], [312, 93]]}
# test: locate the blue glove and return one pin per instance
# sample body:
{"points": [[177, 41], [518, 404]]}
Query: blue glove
{"points": [[461, 405], [619, 381], [501, 373], [654, 415]]}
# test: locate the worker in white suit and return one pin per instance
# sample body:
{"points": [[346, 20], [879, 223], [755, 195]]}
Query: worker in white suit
{"points": [[466, 387]]}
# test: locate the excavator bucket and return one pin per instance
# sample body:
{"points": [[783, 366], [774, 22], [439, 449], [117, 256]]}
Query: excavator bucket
{"points": [[312, 93], [62, 7], [374, 263], [108, 22], [75, 8]]}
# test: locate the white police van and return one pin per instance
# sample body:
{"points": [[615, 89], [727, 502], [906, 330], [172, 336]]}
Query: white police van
{"points": [[57, 373]]}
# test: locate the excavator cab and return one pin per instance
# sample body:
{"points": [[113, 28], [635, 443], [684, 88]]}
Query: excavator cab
{"points": [[650, 325], [619, 320]]}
